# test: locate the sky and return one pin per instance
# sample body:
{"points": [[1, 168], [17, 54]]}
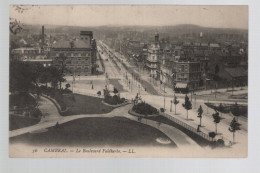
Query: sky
{"points": [[154, 15]]}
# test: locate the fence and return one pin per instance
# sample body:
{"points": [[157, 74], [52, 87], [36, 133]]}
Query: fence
{"points": [[186, 126], [55, 103]]}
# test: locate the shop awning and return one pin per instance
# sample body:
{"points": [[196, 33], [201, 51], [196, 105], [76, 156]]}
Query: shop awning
{"points": [[181, 85]]}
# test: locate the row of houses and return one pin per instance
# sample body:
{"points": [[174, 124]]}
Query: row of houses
{"points": [[189, 66], [78, 54]]}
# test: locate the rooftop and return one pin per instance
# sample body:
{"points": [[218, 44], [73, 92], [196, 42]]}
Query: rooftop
{"points": [[71, 44], [214, 45], [236, 72]]}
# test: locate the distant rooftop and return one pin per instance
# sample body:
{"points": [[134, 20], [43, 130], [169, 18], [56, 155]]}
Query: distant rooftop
{"points": [[71, 44], [214, 45], [236, 72]]}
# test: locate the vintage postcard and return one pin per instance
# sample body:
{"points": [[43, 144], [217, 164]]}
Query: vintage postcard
{"points": [[128, 81]]}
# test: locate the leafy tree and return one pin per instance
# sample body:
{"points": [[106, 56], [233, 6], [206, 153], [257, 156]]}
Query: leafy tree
{"points": [[216, 120], [216, 69], [67, 85], [175, 102], [115, 91], [54, 76], [61, 60], [200, 112], [144, 109], [234, 126], [36, 69], [212, 135], [106, 92], [220, 109], [45, 76], [21, 77], [187, 105], [220, 143], [235, 111]]}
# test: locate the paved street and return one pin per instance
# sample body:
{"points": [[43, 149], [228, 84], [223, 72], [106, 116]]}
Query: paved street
{"points": [[201, 97], [83, 85]]}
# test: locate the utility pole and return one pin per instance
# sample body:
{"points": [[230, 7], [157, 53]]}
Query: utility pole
{"points": [[72, 86], [171, 106], [164, 97], [207, 107], [195, 100]]}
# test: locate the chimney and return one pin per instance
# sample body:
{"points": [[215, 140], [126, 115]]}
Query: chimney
{"points": [[157, 38], [72, 45], [42, 36]]}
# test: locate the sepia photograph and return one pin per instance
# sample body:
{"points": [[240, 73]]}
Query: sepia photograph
{"points": [[128, 81]]}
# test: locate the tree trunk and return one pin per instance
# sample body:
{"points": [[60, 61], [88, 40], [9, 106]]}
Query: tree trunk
{"points": [[233, 137], [175, 109], [216, 128], [187, 115], [200, 121], [60, 84]]}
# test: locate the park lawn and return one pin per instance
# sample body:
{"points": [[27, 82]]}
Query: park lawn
{"points": [[96, 132], [82, 104], [17, 122], [198, 139]]}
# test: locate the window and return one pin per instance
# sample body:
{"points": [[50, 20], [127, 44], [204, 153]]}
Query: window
{"points": [[182, 68]]}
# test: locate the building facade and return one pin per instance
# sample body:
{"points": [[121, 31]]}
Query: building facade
{"points": [[152, 57], [78, 56], [187, 75]]}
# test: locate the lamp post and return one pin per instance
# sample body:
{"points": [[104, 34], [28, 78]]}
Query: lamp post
{"points": [[195, 100], [72, 86], [160, 85], [207, 107], [164, 97], [171, 106]]}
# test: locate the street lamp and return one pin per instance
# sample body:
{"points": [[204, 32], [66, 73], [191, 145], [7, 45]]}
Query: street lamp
{"points": [[164, 97], [171, 106]]}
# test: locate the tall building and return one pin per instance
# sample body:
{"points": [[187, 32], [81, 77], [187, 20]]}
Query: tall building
{"points": [[153, 56], [166, 66], [187, 75], [78, 55]]}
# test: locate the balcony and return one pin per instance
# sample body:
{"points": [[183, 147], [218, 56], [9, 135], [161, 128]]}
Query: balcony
{"points": [[152, 60], [152, 66]]}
